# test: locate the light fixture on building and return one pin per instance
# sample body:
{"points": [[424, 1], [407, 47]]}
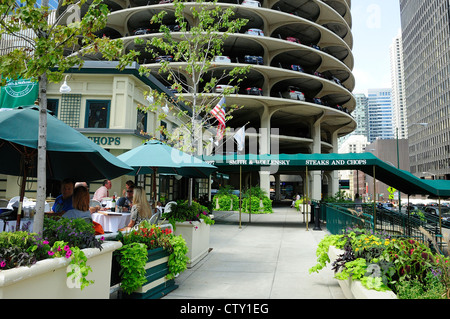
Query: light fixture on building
{"points": [[165, 108], [64, 87]]}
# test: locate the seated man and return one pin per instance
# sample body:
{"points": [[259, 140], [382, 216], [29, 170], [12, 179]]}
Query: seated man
{"points": [[102, 191], [126, 202], [63, 202]]}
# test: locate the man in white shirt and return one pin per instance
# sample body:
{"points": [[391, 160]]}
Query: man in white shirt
{"points": [[102, 191]]}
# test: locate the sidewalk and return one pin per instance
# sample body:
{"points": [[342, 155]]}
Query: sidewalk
{"points": [[268, 258]]}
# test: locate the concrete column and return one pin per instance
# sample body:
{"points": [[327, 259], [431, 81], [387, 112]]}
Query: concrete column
{"points": [[264, 181], [334, 181], [315, 176], [264, 148], [277, 186]]}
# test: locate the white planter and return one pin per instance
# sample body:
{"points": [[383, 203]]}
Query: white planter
{"points": [[196, 235], [353, 289], [47, 279]]}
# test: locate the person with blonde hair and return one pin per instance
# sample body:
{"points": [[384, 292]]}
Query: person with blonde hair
{"points": [[141, 208], [80, 203]]}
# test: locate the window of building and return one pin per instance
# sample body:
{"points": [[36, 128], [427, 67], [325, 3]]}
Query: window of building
{"points": [[141, 124], [97, 113], [52, 105]]}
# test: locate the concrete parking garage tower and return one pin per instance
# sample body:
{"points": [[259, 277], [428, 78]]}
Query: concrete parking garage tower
{"points": [[299, 88]]}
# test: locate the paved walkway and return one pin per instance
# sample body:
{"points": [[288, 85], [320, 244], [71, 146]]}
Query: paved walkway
{"points": [[268, 258]]}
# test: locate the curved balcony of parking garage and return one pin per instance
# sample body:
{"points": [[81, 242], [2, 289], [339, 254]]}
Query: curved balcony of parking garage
{"points": [[316, 12], [277, 53], [272, 22]]}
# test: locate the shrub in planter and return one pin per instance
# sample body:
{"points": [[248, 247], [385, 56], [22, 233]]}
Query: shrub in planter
{"points": [[258, 197], [61, 238], [382, 263], [184, 212], [138, 245]]}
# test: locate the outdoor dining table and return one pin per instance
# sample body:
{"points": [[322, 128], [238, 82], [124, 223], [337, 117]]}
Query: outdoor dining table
{"points": [[111, 221]]}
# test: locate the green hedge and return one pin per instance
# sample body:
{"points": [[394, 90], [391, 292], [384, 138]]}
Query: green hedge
{"points": [[225, 202]]}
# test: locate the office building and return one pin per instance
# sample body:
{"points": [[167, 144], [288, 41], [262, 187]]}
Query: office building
{"points": [[426, 50], [400, 116], [380, 114]]}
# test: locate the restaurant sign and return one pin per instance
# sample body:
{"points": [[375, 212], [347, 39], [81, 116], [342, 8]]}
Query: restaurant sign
{"points": [[21, 92], [105, 140]]}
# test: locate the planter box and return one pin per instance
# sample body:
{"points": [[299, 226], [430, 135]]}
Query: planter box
{"points": [[353, 289], [156, 270], [47, 279], [196, 235]]}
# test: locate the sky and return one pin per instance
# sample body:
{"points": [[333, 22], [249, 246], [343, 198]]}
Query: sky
{"points": [[375, 24]]}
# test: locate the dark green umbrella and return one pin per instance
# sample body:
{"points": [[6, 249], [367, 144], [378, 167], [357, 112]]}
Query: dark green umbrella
{"points": [[157, 157], [69, 153]]}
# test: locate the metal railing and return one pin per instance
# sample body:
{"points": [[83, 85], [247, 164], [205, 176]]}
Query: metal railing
{"points": [[340, 216]]}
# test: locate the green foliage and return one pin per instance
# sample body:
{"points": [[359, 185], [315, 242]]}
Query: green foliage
{"points": [[339, 197], [177, 260], [431, 288], [226, 200], [184, 212], [75, 231], [405, 266], [46, 52], [133, 257], [322, 251], [25, 249]]}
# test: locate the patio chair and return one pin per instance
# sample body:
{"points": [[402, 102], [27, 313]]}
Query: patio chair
{"points": [[155, 218], [167, 208]]}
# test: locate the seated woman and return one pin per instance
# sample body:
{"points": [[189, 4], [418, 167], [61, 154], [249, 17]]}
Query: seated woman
{"points": [[80, 202], [141, 208]]}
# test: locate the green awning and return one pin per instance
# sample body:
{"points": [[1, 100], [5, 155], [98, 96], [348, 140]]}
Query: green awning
{"points": [[365, 162]]}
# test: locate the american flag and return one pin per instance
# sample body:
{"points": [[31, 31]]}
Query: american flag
{"points": [[219, 113]]}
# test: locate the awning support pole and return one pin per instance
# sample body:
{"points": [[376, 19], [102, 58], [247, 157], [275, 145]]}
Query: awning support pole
{"points": [[240, 195], [374, 202], [307, 199]]}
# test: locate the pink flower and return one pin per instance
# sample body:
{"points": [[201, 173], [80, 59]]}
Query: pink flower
{"points": [[66, 248], [2, 264], [59, 248], [51, 253], [102, 238], [68, 253], [45, 242]]}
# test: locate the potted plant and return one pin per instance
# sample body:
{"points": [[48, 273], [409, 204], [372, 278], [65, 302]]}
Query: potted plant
{"points": [[66, 261], [378, 266], [192, 222], [260, 202], [225, 200], [147, 263]]}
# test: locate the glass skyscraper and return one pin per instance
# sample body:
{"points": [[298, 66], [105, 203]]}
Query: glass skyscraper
{"points": [[380, 114], [426, 50]]}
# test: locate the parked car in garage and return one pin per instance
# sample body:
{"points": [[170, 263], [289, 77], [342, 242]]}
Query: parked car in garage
{"points": [[254, 59], [222, 87], [317, 101], [293, 93], [251, 3], [141, 31], [255, 32], [254, 90], [222, 59], [292, 39], [168, 58], [297, 67]]}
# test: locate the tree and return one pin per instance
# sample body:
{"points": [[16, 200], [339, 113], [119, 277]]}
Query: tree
{"points": [[45, 47], [204, 27]]}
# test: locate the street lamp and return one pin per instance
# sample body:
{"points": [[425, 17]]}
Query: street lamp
{"points": [[64, 87]]}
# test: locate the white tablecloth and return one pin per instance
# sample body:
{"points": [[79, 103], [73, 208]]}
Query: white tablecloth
{"points": [[112, 222]]}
